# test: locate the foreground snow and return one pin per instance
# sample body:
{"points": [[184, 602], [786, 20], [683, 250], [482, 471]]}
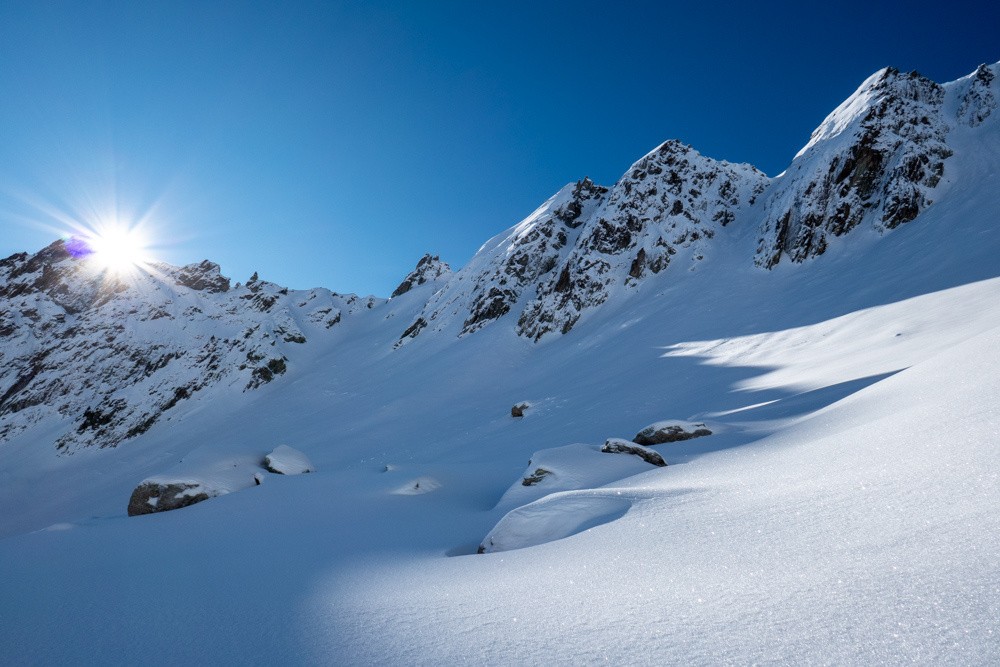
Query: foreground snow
{"points": [[854, 522]]}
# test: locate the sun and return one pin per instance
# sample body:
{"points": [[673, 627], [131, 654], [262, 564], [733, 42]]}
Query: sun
{"points": [[116, 248], [119, 248]]}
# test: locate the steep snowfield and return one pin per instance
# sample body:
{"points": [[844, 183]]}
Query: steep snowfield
{"points": [[843, 511]]}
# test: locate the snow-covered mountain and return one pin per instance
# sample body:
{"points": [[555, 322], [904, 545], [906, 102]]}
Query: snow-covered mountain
{"points": [[815, 355], [112, 354]]}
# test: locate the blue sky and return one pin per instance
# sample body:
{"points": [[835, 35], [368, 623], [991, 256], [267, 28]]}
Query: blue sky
{"points": [[332, 144]]}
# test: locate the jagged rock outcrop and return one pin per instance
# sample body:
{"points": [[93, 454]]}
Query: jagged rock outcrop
{"points": [[510, 264], [204, 275], [113, 353], [979, 100], [877, 158], [429, 268], [587, 241]]}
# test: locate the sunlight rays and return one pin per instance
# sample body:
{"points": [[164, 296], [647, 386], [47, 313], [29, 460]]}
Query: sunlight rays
{"points": [[104, 234]]}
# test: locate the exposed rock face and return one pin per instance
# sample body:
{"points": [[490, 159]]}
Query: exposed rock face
{"points": [[114, 353], [510, 264], [619, 446], [429, 268], [670, 203], [877, 157], [670, 431], [979, 100], [588, 241], [152, 496]]}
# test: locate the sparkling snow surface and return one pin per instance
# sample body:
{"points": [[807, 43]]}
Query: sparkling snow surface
{"points": [[845, 511]]}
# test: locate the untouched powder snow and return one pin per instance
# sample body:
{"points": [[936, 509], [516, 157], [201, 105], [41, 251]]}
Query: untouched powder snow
{"points": [[844, 510]]}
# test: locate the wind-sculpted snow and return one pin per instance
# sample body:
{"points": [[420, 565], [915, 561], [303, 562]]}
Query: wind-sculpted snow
{"points": [[110, 354]]}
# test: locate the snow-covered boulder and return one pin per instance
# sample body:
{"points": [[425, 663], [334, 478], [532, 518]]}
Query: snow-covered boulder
{"points": [[161, 496], [671, 430], [285, 460], [554, 517], [568, 468], [619, 446]]}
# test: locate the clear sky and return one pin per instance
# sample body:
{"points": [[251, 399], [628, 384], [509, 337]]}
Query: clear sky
{"points": [[334, 143]]}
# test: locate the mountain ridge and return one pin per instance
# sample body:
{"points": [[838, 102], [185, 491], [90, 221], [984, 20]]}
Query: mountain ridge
{"points": [[877, 161]]}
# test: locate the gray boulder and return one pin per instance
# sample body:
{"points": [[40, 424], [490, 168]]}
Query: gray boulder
{"points": [[620, 446], [154, 496], [670, 431]]}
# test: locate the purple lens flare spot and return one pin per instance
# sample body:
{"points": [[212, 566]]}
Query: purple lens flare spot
{"points": [[78, 248]]}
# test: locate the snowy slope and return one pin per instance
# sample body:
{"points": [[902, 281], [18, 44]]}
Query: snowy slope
{"points": [[843, 510]]}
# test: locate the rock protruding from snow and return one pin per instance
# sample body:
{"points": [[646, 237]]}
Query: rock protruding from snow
{"points": [[429, 268], [517, 410], [670, 431], [535, 477], [620, 446], [159, 496], [877, 158], [285, 460]]}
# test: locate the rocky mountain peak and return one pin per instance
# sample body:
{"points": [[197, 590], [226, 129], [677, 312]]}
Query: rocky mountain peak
{"points": [[876, 158], [429, 268]]}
